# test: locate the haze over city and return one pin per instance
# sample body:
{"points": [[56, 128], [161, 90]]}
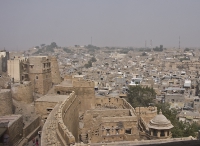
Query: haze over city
{"points": [[25, 24]]}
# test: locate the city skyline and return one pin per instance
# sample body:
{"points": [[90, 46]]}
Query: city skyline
{"points": [[25, 24]]}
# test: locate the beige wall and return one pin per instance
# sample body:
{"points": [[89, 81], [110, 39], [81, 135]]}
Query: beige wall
{"points": [[31, 127], [68, 119], [15, 131], [14, 69], [42, 106], [1, 65], [40, 74], [23, 92], [55, 73], [83, 89], [6, 103], [41, 82]]}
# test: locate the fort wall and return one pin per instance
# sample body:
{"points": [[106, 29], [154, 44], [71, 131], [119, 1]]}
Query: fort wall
{"points": [[15, 130], [6, 103], [83, 89], [23, 92], [68, 119], [31, 127], [41, 107]]}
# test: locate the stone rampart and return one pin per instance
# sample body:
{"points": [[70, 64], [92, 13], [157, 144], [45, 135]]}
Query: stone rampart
{"points": [[6, 103], [23, 92], [68, 119]]}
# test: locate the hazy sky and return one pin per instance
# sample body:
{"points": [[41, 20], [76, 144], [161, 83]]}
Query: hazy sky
{"points": [[27, 23]]}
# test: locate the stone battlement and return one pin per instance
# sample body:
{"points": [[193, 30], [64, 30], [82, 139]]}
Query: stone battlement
{"points": [[67, 126]]}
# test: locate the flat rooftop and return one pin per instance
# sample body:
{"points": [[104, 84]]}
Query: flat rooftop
{"points": [[66, 83], [9, 118], [4, 90], [52, 98]]}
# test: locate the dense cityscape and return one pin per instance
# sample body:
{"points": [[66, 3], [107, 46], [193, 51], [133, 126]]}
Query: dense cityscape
{"points": [[99, 73], [89, 95]]}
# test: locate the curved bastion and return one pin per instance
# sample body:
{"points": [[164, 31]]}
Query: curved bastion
{"points": [[6, 103], [63, 123], [22, 91]]}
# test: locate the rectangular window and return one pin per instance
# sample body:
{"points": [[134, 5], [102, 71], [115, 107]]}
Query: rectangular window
{"points": [[36, 77], [128, 131]]}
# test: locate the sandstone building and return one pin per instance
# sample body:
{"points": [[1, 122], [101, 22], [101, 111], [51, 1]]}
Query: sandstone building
{"points": [[42, 71], [4, 56], [18, 69], [11, 129], [82, 117]]}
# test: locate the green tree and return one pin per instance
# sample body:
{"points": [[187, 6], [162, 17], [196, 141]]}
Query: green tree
{"points": [[159, 49], [180, 129], [144, 54], [53, 45], [67, 50], [186, 49], [88, 65], [42, 45], [140, 96], [93, 59]]}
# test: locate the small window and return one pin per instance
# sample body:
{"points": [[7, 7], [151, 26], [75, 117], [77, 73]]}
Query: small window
{"points": [[128, 131], [162, 133], [108, 131], [49, 109], [36, 77], [117, 131]]}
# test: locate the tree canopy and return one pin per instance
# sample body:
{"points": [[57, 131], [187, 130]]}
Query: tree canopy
{"points": [[67, 50], [51, 47], [181, 129], [159, 49], [143, 96], [89, 64], [140, 96]]}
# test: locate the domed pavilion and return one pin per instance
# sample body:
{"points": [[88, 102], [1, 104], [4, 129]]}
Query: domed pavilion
{"points": [[159, 127]]}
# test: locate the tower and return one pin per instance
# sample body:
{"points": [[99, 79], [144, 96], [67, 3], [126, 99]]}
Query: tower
{"points": [[55, 73]]}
